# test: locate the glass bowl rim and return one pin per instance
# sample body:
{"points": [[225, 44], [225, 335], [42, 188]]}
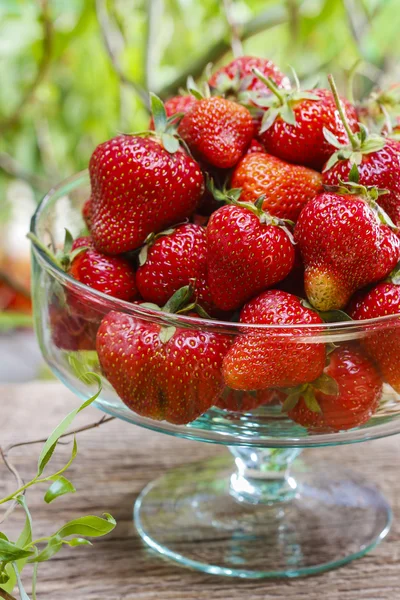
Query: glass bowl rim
{"points": [[145, 312]]}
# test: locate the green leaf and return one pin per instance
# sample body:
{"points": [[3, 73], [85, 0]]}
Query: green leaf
{"points": [[159, 114], [170, 143], [166, 333], [3, 536], [334, 316], [54, 545], [354, 175], [68, 241], [10, 552], [59, 487], [4, 577], [179, 299], [287, 114], [331, 162], [25, 537], [83, 363], [311, 401], [326, 384], [90, 526], [331, 138], [51, 443], [78, 541], [22, 593], [143, 255], [268, 119], [291, 401]]}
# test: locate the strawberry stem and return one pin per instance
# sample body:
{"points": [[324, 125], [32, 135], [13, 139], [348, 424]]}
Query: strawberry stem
{"points": [[353, 140], [39, 244], [270, 85]]}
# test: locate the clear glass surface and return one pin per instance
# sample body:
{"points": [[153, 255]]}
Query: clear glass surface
{"points": [[264, 441]]}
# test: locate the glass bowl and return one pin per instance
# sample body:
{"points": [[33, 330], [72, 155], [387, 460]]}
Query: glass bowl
{"points": [[261, 514]]}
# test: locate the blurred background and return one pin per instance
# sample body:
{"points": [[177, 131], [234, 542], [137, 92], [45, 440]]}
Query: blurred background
{"points": [[75, 72]]}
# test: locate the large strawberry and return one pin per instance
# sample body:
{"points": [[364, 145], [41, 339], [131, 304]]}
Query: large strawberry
{"points": [[248, 251], [377, 161], [382, 341], [344, 246], [217, 131], [238, 76], [346, 396], [172, 260], [293, 124], [275, 356], [286, 188], [176, 105], [161, 372], [141, 185]]}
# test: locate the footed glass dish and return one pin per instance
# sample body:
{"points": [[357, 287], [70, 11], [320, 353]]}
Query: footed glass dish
{"points": [[262, 511]]}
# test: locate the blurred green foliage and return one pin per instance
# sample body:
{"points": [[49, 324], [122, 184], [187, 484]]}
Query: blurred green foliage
{"points": [[61, 94]]}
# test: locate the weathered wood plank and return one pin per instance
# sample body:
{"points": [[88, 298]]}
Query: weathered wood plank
{"points": [[114, 464]]}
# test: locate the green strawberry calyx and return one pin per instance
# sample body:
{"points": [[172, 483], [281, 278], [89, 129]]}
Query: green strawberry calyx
{"points": [[198, 91], [328, 316], [232, 196], [165, 128], [324, 383], [62, 258], [382, 107], [181, 302], [360, 143], [280, 103]]}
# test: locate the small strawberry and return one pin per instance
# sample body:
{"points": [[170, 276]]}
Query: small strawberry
{"points": [[286, 188], [344, 246], [264, 358], [72, 325], [376, 160], [172, 260], [217, 131], [87, 213], [255, 146], [248, 251], [294, 121], [241, 401], [346, 396], [161, 372], [176, 105], [382, 342], [238, 76], [141, 185], [112, 275]]}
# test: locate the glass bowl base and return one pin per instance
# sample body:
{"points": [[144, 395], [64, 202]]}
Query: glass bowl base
{"points": [[191, 516]]}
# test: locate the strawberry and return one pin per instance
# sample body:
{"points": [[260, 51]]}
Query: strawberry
{"points": [[112, 275], [175, 105], [238, 76], [294, 121], [349, 402], [217, 131], [344, 246], [264, 358], [382, 342], [241, 401], [73, 326], [171, 261], [255, 146], [161, 372], [87, 213], [248, 251], [374, 159], [287, 188], [141, 185]]}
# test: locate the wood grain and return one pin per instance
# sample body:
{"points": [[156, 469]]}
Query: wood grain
{"points": [[114, 464]]}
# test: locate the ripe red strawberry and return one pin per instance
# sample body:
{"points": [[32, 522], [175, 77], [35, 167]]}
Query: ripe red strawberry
{"points": [[344, 247], [293, 126], [264, 358], [247, 253], [141, 185], [172, 261], [73, 327], [359, 389], [238, 76], [87, 213], [382, 342], [111, 275], [176, 104], [176, 380], [217, 131], [376, 160], [287, 188], [240, 401]]}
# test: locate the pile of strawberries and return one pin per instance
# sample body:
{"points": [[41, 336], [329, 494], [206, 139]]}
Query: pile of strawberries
{"points": [[249, 201]]}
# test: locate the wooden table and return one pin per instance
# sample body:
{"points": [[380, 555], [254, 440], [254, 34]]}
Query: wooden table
{"points": [[115, 462]]}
